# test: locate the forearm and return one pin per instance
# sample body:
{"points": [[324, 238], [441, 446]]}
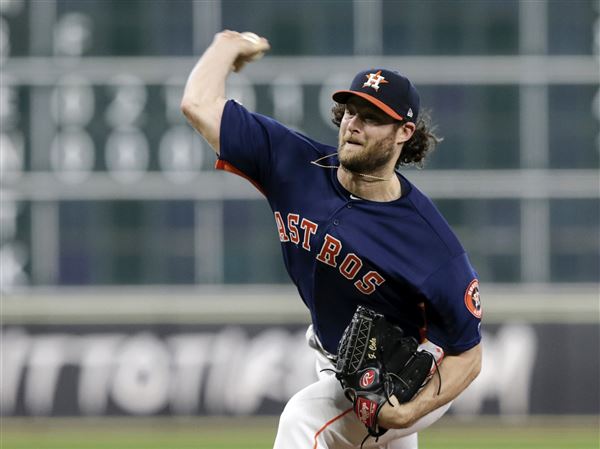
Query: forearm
{"points": [[456, 374]]}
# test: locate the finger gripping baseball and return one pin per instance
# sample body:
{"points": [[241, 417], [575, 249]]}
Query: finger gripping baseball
{"points": [[254, 48], [375, 360]]}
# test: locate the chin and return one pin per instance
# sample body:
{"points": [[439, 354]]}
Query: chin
{"points": [[345, 157], [354, 165], [350, 152]]}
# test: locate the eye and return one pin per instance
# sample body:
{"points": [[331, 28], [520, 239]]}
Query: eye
{"points": [[370, 118]]}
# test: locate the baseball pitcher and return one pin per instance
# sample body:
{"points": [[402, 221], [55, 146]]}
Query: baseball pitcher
{"points": [[393, 298]]}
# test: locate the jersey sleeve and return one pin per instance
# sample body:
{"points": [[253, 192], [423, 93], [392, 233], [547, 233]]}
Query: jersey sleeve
{"points": [[250, 145], [453, 306]]}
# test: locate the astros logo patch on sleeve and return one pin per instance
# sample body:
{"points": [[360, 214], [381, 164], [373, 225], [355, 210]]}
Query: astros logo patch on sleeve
{"points": [[472, 299]]}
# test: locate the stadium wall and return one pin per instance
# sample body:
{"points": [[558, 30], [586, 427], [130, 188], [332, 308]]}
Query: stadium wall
{"points": [[241, 351]]}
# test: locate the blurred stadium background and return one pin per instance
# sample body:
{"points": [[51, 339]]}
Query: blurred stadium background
{"points": [[143, 295]]}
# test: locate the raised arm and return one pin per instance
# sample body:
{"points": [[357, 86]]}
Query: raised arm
{"points": [[204, 95]]}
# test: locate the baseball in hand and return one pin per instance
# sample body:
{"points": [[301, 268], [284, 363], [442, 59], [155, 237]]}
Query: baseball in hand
{"points": [[255, 40]]}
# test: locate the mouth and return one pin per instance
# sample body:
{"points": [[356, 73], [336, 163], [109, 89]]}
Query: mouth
{"points": [[353, 142]]}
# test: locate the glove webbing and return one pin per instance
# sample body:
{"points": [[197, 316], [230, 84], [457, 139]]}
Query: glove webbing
{"points": [[351, 359]]}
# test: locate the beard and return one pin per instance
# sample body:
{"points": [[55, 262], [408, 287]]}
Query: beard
{"points": [[368, 159]]}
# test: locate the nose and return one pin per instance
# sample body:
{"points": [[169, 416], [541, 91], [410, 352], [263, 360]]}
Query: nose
{"points": [[354, 123]]}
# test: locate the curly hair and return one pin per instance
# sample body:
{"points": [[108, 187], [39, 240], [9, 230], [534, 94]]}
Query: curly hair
{"points": [[421, 143]]}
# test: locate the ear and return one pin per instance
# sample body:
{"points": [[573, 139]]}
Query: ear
{"points": [[405, 132]]}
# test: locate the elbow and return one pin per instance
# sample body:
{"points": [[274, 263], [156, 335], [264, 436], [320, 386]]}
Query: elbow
{"points": [[204, 117], [201, 114], [194, 114], [187, 108], [194, 107]]}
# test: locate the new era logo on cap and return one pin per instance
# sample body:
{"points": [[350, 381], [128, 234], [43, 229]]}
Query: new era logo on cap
{"points": [[391, 92]]}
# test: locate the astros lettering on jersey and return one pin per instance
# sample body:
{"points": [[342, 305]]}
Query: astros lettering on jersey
{"points": [[329, 252]]}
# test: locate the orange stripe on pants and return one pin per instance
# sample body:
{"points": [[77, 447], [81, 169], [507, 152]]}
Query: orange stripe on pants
{"points": [[328, 423]]}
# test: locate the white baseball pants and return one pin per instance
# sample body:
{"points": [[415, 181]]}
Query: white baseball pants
{"points": [[321, 417]]}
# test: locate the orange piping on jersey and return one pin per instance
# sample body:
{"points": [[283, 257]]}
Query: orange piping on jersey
{"points": [[328, 423], [226, 166]]}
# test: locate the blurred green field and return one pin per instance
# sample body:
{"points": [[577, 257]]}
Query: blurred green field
{"points": [[200, 433]]}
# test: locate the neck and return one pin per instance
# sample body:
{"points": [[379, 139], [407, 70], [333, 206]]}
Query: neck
{"points": [[379, 187]]}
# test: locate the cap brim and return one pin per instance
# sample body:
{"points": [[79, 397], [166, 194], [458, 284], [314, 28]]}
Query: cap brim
{"points": [[341, 96]]}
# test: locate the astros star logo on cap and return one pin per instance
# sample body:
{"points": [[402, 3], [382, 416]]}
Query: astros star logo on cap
{"points": [[374, 79]]}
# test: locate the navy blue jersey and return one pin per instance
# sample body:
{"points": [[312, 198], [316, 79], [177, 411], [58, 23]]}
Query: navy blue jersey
{"points": [[400, 257]]}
